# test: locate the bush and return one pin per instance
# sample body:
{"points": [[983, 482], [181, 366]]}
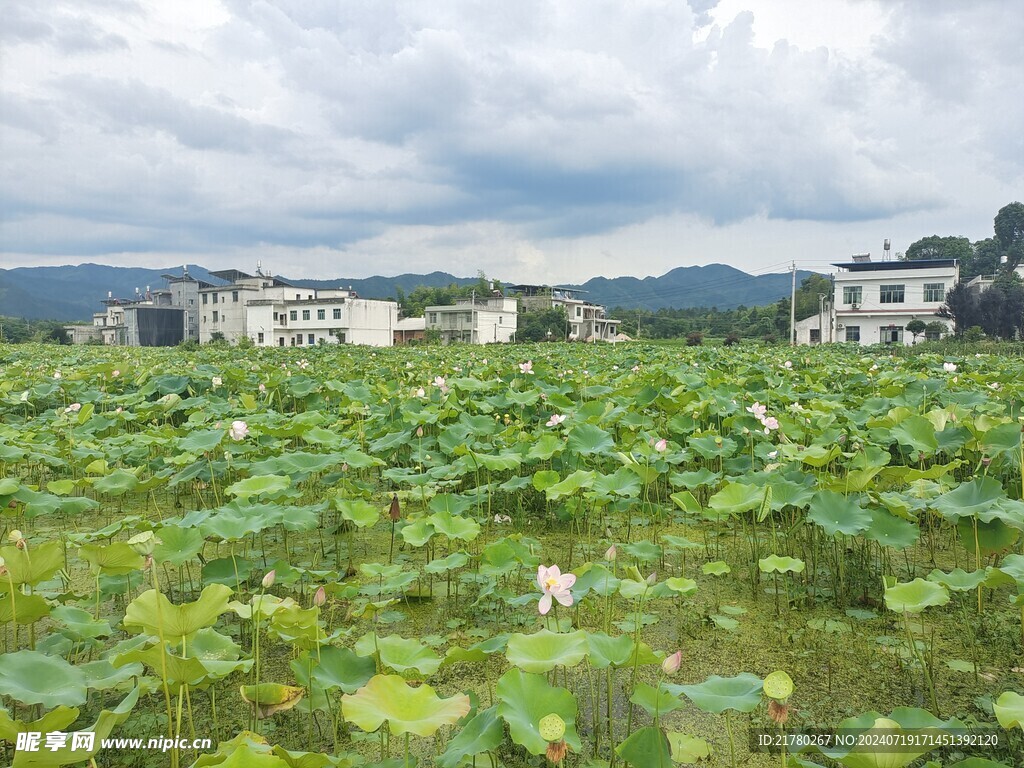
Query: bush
{"points": [[732, 338], [974, 333], [694, 339]]}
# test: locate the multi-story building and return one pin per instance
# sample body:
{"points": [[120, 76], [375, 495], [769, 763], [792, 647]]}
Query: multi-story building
{"points": [[274, 312], [874, 300], [475, 320], [585, 320]]}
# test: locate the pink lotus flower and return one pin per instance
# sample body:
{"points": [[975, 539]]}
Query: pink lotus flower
{"points": [[73, 408], [56, 374], [439, 382], [554, 584], [263, 387], [115, 373], [758, 410], [526, 367], [672, 663], [555, 420], [770, 423], [661, 446], [238, 431], [611, 554], [788, 364]]}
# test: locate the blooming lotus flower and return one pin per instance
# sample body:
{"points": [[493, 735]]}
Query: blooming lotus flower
{"points": [[217, 381], [555, 420], [238, 431], [73, 408], [263, 388], [440, 383], [554, 584], [56, 374], [526, 367], [502, 519], [115, 373], [661, 446], [949, 367], [788, 364], [770, 423], [758, 410]]}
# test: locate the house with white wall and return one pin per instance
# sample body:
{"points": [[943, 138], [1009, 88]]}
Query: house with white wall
{"points": [[477, 320], [586, 321], [273, 312], [874, 300]]}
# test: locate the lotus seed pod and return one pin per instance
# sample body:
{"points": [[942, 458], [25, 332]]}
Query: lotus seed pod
{"points": [[778, 686], [552, 727]]}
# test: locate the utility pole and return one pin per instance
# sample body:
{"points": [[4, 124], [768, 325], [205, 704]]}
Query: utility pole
{"points": [[792, 310]]}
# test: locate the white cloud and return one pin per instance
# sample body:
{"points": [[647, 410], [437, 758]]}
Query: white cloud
{"points": [[530, 140]]}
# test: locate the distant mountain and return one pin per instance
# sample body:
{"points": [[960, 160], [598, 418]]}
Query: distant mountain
{"points": [[75, 292]]}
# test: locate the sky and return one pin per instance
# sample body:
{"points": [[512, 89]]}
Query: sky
{"points": [[534, 141]]}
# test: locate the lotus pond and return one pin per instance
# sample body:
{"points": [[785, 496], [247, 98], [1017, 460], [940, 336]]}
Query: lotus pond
{"points": [[510, 556]]}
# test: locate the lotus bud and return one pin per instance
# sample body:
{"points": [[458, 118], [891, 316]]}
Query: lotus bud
{"points": [[143, 543], [652, 578], [419, 431], [320, 596], [269, 579], [672, 663], [396, 509], [611, 554], [15, 536]]}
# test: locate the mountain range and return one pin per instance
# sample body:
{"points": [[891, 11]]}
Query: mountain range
{"points": [[75, 292]]}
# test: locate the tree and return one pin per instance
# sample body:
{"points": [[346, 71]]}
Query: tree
{"points": [[807, 301], [916, 327], [936, 247], [987, 255], [1009, 229], [535, 326], [962, 306], [936, 330]]}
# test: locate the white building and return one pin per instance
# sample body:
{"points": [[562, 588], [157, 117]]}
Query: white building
{"points": [[586, 321], [984, 282], [273, 312], [818, 328], [475, 321], [874, 301]]}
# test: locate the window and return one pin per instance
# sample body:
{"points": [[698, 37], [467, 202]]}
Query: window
{"points": [[259, 338], [311, 339], [852, 294], [275, 317], [337, 314], [815, 336], [469, 317], [215, 315], [433, 318], [305, 314], [204, 299], [293, 315], [204, 318], [298, 340], [579, 311], [191, 302], [298, 297], [853, 333], [501, 320], [310, 297], [934, 291], [234, 296], [341, 337], [321, 314], [280, 341], [215, 298], [891, 294], [891, 334]]}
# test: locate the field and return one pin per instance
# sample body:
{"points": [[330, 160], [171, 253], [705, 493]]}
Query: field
{"points": [[511, 556]]}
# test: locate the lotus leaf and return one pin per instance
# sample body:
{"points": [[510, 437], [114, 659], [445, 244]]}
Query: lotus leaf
{"points": [[405, 709], [524, 699], [780, 564], [115, 559], [646, 748], [717, 694], [268, 698], [545, 650], [1009, 709], [483, 733], [151, 610], [399, 653], [36, 678], [687, 749]]}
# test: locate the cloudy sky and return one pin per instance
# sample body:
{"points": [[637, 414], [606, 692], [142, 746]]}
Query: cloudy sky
{"points": [[542, 141]]}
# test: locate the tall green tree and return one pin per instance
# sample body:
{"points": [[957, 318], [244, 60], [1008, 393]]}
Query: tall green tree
{"points": [[936, 247], [1009, 229]]}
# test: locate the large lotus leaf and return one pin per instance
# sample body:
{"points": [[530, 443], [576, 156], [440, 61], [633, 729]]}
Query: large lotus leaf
{"points": [[1002, 439], [589, 439], [407, 710], [1013, 566], [201, 441], [838, 514], [687, 749], [915, 596], [101, 675], [1009, 709], [736, 498], [151, 610], [717, 694], [780, 564], [55, 720], [655, 700], [646, 748], [39, 565], [229, 571], [341, 668], [524, 699], [399, 653], [891, 531], [79, 624], [455, 527], [258, 485], [452, 562], [117, 559], [117, 483], [36, 678], [989, 538], [317, 759], [581, 478], [235, 524], [545, 650], [418, 533], [604, 650], [713, 446], [916, 432], [177, 669], [357, 511], [106, 721], [868, 755], [481, 734], [27, 608], [969, 499], [715, 568], [958, 579], [177, 545], [219, 654]]}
